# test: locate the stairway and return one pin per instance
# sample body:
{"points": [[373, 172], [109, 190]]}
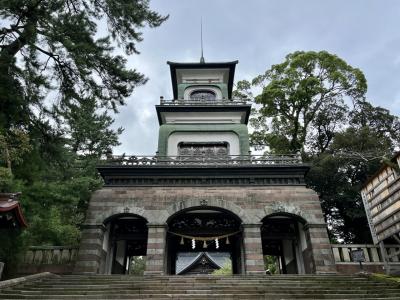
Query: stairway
{"points": [[203, 287]]}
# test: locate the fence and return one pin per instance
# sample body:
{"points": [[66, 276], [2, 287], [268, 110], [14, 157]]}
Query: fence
{"points": [[45, 255], [372, 253], [54, 259]]}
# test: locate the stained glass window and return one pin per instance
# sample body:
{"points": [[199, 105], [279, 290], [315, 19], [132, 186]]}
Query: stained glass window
{"points": [[203, 149], [202, 95]]}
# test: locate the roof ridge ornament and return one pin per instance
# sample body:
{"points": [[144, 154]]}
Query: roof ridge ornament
{"points": [[202, 60]]}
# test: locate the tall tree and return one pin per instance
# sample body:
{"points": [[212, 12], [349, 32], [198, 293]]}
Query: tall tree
{"points": [[60, 75], [57, 45], [302, 90], [315, 102]]}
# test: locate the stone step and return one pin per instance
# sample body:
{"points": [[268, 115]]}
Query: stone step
{"points": [[203, 287], [183, 285], [194, 296], [200, 287], [215, 278], [389, 292], [82, 282]]}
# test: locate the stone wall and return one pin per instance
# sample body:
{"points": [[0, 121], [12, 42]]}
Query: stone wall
{"points": [[250, 204], [355, 268]]}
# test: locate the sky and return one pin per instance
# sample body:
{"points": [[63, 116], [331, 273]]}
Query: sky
{"points": [[260, 33]]}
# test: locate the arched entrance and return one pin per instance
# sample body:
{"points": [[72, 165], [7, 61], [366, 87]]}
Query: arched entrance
{"points": [[284, 243], [203, 239], [124, 244]]}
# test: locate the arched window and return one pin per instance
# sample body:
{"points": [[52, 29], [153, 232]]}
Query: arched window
{"points": [[202, 95]]}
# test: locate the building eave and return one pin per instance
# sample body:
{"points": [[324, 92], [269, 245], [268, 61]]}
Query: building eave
{"points": [[384, 166], [206, 108], [231, 65], [209, 175]]}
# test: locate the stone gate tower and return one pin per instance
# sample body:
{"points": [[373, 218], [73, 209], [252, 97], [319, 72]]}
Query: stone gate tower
{"points": [[203, 198]]}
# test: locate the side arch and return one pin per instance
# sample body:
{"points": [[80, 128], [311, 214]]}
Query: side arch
{"points": [[114, 211], [291, 210], [122, 215]]}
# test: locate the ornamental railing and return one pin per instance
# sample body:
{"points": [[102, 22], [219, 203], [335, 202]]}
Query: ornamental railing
{"points": [[202, 102], [203, 159], [46, 255]]}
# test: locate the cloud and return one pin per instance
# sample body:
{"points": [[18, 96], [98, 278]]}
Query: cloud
{"points": [[260, 33]]}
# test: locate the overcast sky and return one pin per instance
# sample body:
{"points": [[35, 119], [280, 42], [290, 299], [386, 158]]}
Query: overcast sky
{"points": [[259, 33]]}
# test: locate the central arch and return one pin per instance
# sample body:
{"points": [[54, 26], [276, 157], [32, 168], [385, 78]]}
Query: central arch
{"points": [[201, 239], [217, 203]]}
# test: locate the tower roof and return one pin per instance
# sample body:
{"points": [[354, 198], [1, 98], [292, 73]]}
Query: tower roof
{"points": [[230, 66]]}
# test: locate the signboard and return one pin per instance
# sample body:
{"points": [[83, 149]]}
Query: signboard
{"points": [[357, 255]]}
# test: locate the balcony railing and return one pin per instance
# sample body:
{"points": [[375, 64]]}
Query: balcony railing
{"points": [[217, 102], [230, 160]]}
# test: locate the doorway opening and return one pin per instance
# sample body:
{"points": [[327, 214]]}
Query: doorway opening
{"points": [[203, 240], [284, 244], [125, 244]]}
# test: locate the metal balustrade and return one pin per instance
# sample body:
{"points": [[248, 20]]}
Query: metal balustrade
{"points": [[203, 159], [202, 102]]}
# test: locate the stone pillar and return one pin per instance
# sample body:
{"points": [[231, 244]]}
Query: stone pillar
{"points": [[320, 249], [253, 252], [90, 250], [155, 259]]}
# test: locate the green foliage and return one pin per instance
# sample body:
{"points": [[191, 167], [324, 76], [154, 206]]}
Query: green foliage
{"points": [[225, 270], [138, 265], [270, 264], [315, 102], [60, 75], [302, 90], [12, 248], [57, 44], [14, 143], [385, 278]]}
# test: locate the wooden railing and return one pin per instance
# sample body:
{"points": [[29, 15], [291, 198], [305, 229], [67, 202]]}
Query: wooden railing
{"points": [[372, 253], [46, 255]]}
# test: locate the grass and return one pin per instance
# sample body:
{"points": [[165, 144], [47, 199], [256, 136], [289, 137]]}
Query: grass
{"points": [[385, 278]]}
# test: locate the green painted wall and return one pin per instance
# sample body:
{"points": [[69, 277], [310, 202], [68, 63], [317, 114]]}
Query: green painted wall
{"points": [[183, 86], [167, 129]]}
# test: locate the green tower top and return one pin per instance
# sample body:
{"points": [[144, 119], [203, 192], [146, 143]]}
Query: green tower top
{"points": [[217, 76], [202, 119]]}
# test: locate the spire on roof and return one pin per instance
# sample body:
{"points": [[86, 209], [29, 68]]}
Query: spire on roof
{"points": [[202, 61]]}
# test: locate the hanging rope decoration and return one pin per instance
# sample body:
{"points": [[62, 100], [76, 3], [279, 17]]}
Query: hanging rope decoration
{"points": [[204, 239]]}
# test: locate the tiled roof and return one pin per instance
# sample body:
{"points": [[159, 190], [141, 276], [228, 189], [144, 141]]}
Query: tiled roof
{"points": [[186, 259]]}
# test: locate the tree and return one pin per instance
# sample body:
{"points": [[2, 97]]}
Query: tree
{"points": [[138, 265], [89, 130], [302, 90], [338, 174], [225, 270], [53, 44], [61, 72], [14, 143], [315, 102]]}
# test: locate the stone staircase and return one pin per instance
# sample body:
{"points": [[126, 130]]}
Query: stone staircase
{"points": [[203, 287]]}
